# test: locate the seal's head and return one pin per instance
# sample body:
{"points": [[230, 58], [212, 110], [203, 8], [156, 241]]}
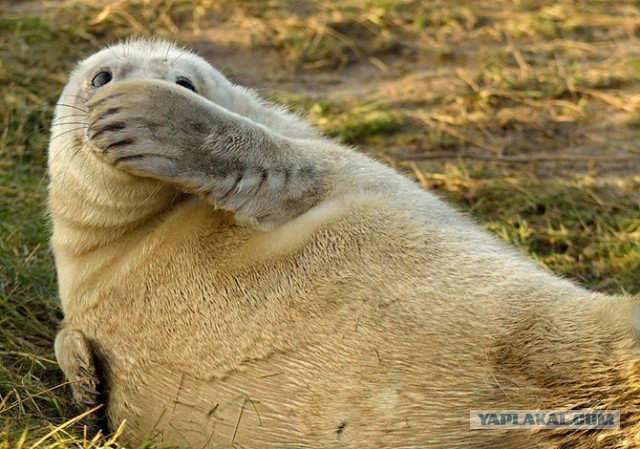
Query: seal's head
{"points": [[137, 59], [84, 191]]}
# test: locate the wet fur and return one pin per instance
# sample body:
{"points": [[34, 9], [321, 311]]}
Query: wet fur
{"points": [[242, 281]]}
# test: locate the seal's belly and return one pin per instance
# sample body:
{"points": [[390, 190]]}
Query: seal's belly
{"points": [[316, 397], [246, 409]]}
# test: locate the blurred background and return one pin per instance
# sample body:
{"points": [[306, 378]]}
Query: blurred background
{"points": [[525, 114]]}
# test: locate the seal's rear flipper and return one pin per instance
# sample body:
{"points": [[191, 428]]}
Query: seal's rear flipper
{"points": [[76, 360]]}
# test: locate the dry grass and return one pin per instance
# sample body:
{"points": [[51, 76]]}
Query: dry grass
{"points": [[526, 114]]}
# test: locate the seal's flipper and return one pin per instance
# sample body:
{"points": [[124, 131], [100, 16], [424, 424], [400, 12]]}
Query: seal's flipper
{"points": [[75, 358]]}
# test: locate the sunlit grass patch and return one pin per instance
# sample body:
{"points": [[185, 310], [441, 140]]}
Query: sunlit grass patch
{"points": [[354, 124]]}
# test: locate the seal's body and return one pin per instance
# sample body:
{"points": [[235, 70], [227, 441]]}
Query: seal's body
{"points": [[230, 278]]}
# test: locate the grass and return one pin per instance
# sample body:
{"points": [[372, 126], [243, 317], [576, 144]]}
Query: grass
{"points": [[524, 114]]}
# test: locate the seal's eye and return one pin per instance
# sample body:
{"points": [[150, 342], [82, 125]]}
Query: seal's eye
{"points": [[101, 79], [186, 83]]}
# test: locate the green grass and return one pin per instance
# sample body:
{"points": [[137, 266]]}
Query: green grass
{"points": [[524, 114], [349, 122], [30, 75], [574, 227]]}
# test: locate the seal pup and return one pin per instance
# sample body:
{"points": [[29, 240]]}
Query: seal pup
{"points": [[232, 278]]}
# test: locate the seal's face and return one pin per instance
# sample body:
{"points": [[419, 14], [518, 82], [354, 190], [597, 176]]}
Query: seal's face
{"points": [[140, 60], [86, 187], [131, 60]]}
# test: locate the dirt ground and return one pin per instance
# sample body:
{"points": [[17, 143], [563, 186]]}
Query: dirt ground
{"points": [[586, 127]]}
